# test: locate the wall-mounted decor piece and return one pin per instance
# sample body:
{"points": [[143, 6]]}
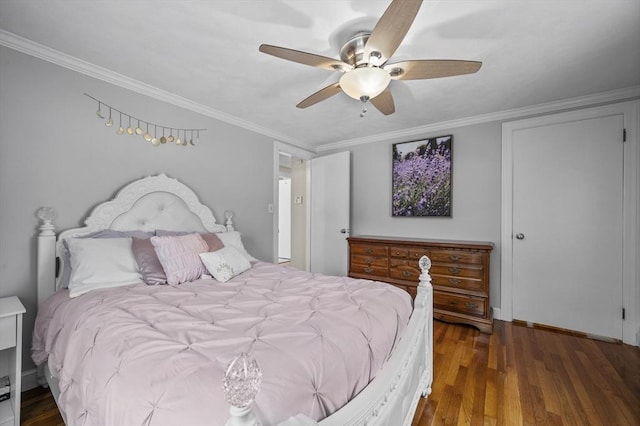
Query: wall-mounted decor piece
{"points": [[183, 137], [421, 182]]}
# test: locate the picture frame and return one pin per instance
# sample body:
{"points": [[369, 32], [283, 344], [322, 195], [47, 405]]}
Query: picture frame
{"points": [[422, 177]]}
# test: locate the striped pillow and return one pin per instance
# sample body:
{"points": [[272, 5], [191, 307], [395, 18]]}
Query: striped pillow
{"points": [[179, 257]]}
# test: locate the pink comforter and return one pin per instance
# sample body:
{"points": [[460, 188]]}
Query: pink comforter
{"points": [[156, 355]]}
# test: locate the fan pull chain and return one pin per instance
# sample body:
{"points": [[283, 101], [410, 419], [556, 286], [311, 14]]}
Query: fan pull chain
{"points": [[364, 100]]}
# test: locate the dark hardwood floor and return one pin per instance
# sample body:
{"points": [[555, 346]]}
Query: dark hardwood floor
{"points": [[527, 376], [39, 408], [516, 376]]}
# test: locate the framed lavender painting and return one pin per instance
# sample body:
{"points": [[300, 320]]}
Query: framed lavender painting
{"points": [[421, 182]]}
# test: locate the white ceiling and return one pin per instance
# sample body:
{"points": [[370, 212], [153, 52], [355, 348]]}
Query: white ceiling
{"points": [[204, 54]]}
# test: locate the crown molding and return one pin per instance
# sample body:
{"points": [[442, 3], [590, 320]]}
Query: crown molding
{"points": [[516, 113], [29, 47]]}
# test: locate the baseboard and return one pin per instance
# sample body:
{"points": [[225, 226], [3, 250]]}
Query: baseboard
{"points": [[29, 379], [497, 313]]}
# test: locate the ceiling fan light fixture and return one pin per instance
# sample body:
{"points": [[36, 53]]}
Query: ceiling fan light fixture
{"points": [[365, 81], [364, 57]]}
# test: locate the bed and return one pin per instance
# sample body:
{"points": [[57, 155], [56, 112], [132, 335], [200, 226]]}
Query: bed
{"points": [[330, 350]]}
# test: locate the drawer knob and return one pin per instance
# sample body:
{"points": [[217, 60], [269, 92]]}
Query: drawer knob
{"points": [[471, 305], [368, 260], [454, 281], [406, 273], [368, 270], [368, 250], [454, 257], [454, 270], [398, 253]]}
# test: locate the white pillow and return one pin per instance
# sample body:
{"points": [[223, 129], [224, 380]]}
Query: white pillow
{"points": [[232, 239], [101, 263], [225, 263]]}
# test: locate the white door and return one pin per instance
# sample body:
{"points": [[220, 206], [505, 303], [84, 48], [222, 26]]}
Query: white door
{"points": [[330, 196], [567, 225]]}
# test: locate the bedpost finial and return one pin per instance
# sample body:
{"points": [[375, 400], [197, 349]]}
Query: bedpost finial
{"points": [[228, 215], [242, 380], [46, 216], [425, 263], [425, 277], [241, 385]]}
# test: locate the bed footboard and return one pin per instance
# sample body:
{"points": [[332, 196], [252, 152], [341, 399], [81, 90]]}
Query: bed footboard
{"points": [[242, 417], [392, 397]]}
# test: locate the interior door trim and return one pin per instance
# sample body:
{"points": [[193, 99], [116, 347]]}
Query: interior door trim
{"points": [[631, 211]]}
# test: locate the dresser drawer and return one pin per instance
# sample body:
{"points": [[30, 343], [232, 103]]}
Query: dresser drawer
{"points": [[417, 253], [361, 259], [7, 332], [454, 256], [404, 270], [404, 273], [400, 252], [457, 271], [467, 305], [373, 271], [414, 253], [459, 283], [370, 250]]}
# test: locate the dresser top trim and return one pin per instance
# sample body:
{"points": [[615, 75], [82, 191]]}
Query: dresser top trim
{"points": [[473, 245]]}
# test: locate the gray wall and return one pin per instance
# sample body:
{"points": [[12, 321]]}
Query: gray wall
{"points": [[54, 151], [476, 193]]}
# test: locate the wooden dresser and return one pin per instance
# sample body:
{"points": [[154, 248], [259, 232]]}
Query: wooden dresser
{"points": [[459, 273]]}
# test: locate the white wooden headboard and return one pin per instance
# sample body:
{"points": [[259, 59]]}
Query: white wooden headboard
{"points": [[154, 202]]}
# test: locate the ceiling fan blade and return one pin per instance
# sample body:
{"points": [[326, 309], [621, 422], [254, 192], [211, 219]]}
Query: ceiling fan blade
{"points": [[321, 95], [428, 68], [391, 28], [305, 58], [384, 102]]}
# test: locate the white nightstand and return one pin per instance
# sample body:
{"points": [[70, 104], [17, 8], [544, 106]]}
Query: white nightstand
{"points": [[11, 311]]}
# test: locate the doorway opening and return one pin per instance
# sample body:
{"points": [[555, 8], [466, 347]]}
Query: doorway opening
{"points": [[291, 201]]}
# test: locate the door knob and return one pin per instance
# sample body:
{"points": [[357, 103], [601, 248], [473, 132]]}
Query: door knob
{"points": [[520, 236], [344, 231]]}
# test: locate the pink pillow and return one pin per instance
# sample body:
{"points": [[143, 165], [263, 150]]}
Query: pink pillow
{"points": [[179, 256], [212, 241], [210, 238], [148, 262]]}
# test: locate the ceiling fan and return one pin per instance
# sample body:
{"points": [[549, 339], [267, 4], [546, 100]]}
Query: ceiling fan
{"points": [[363, 60]]}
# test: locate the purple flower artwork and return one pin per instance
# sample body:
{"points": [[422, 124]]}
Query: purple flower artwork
{"points": [[422, 177]]}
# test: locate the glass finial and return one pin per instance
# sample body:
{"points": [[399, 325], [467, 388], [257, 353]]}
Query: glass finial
{"points": [[242, 380]]}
